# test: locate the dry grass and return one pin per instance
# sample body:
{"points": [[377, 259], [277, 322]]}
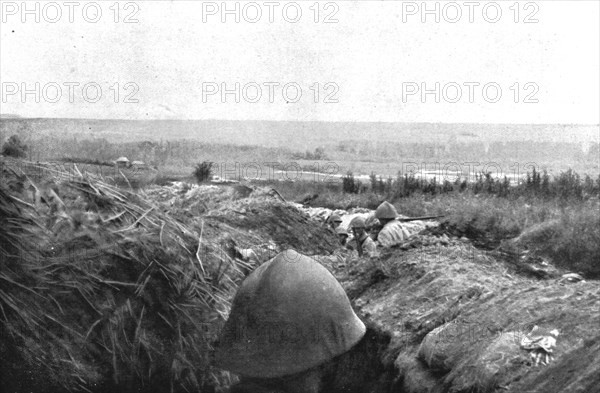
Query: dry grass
{"points": [[103, 291], [111, 289]]}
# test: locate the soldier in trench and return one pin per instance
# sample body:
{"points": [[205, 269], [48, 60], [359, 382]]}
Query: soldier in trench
{"points": [[373, 226], [392, 232], [364, 244], [292, 330], [342, 235], [334, 221]]}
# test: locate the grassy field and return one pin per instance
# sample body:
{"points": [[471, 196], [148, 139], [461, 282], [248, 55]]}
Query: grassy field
{"points": [[332, 148]]}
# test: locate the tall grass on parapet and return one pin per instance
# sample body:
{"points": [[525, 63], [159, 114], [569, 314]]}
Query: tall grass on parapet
{"points": [[576, 241], [101, 291], [528, 227]]}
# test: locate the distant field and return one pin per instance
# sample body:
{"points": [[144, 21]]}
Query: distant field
{"points": [[239, 148], [303, 135]]}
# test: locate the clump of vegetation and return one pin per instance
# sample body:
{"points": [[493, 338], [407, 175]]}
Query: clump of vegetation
{"points": [[379, 186], [569, 237], [487, 221], [203, 171], [101, 291], [351, 185], [576, 245], [13, 147], [318, 154]]}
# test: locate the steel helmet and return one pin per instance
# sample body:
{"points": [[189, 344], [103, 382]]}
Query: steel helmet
{"points": [[386, 211], [341, 231], [372, 221], [357, 222], [289, 315], [335, 218]]}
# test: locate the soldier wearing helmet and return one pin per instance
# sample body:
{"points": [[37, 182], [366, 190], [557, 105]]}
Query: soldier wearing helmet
{"points": [[342, 235], [373, 226], [291, 326], [365, 245], [392, 232], [334, 221]]}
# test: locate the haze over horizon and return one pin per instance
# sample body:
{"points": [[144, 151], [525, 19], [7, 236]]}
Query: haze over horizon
{"points": [[299, 134], [17, 116]]}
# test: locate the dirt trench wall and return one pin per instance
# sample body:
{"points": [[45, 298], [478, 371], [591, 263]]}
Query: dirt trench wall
{"points": [[282, 224], [456, 316], [257, 221]]}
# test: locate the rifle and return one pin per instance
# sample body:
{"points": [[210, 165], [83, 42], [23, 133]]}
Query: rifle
{"points": [[358, 243], [418, 218]]}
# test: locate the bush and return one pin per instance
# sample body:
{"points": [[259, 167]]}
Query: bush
{"points": [[203, 171], [14, 147], [349, 184], [576, 245], [485, 220]]}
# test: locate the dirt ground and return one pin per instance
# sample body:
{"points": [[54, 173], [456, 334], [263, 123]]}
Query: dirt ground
{"points": [[482, 307]]}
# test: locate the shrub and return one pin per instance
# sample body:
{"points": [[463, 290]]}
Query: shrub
{"points": [[14, 147], [349, 184], [576, 245], [203, 171], [568, 185], [373, 180], [486, 220]]}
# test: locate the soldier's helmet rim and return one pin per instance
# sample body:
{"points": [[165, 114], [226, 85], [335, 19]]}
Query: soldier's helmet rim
{"points": [[335, 218], [357, 222]]}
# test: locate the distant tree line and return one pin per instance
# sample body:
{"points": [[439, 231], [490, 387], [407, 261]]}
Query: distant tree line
{"points": [[318, 154]]}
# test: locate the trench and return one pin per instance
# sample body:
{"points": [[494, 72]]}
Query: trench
{"points": [[367, 368]]}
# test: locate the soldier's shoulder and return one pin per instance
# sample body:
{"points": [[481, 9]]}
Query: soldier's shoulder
{"points": [[393, 226]]}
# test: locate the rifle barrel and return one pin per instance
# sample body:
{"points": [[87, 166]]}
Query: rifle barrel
{"points": [[419, 218]]}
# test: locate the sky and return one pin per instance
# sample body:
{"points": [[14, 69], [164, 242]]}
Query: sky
{"points": [[480, 62]]}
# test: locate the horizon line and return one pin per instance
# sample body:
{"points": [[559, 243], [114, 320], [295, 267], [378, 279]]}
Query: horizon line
{"points": [[18, 117]]}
